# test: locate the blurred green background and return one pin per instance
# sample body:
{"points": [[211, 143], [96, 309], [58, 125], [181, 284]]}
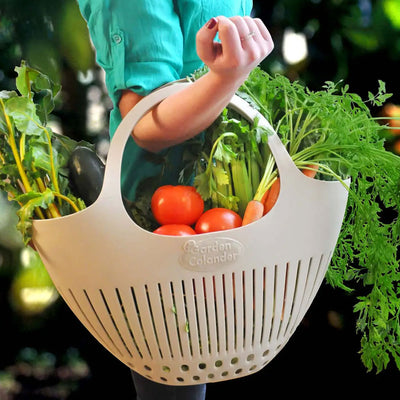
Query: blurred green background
{"points": [[44, 351]]}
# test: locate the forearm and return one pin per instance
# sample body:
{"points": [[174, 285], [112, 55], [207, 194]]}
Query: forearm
{"points": [[185, 114], [244, 43]]}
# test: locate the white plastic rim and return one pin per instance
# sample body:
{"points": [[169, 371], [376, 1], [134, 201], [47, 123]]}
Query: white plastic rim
{"points": [[207, 308]]}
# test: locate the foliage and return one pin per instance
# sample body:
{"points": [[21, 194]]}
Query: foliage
{"points": [[45, 36], [367, 250], [333, 129], [32, 157]]}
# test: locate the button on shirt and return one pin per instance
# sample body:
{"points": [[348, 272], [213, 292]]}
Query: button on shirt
{"points": [[141, 45]]}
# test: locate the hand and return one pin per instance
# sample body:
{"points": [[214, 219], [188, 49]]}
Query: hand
{"points": [[244, 43]]}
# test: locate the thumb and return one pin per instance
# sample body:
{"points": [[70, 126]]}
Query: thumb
{"points": [[205, 45]]}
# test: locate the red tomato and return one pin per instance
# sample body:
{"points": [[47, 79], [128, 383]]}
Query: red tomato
{"points": [[217, 219], [176, 205], [175, 230]]}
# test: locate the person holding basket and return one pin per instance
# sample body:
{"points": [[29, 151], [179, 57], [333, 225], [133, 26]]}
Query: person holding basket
{"points": [[144, 44]]}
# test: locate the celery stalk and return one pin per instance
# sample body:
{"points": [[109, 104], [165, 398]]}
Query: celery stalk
{"points": [[241, 183]]}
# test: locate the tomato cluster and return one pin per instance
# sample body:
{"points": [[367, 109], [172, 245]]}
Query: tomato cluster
{"points": [[180, 212]]}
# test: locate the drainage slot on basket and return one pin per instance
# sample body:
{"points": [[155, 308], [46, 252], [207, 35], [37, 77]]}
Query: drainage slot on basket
{"points": [[87, 320], [110, 314], [197, 315], [263, 314], [135, 302], [255, 304], [187, 313], [318, 272], [228, 311], [101, 323], [152, 319], [248, 307], [308, 290], [278, 300], [175, 311], [212, 314], [291, 291], [165, 319], [283, 312], [215, 296], [242, 299], [124, 313], [207, 317]]}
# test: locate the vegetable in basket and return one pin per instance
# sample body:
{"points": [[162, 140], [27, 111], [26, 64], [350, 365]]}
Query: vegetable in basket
{"points": [[179, 204], [179, 211], [218, 219], [175, 230]]}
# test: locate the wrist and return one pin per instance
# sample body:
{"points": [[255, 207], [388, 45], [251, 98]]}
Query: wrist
{"points": [[225, 82]]}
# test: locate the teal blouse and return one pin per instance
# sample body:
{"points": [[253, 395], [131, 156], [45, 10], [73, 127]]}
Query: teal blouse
{"points": [[141, 45]]}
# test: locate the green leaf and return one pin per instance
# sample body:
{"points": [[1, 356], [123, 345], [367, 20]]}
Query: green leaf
{"points": [[202, 184], [30, 202], [6, 94], [30, 81], [24, 78], [220, 176], [45, 93], [23, 112], [224, 152], [40, 157]]}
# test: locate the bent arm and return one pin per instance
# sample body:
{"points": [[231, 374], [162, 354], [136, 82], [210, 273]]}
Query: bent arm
{"points": [[184, 115], [180, 116]]}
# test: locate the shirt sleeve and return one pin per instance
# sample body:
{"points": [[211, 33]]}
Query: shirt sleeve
{"points": [[139, 44]]}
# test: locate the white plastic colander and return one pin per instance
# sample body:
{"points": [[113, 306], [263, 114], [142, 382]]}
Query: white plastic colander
{"points": [[198, 309]]}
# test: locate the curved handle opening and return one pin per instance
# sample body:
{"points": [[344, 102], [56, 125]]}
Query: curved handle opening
{"points": [[113, 167], [112, 177]]}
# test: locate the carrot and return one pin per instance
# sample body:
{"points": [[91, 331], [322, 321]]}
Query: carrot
{"points": [[310, 171], [253, 212], [257, 208], [272, 195], [264, 196]]}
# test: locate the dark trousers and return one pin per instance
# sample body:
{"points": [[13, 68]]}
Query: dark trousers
{"points": [[149, 390]]}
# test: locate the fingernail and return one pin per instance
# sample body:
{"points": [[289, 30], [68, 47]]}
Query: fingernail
{"points": [[211, 23]]}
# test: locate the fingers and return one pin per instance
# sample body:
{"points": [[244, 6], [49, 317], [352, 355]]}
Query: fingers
{"points": [[263, 30], [258, 34], [244, 43], [254, 32], [206, 48], [229, 32]]}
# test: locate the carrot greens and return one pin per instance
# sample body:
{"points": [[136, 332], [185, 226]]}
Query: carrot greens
{"points": [[332, 130]]}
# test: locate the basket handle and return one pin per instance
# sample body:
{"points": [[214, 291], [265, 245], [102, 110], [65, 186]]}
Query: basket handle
{"points": [[111, 185]]}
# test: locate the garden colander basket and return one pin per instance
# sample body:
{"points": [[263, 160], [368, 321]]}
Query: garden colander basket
{"points": [[198, 309]]}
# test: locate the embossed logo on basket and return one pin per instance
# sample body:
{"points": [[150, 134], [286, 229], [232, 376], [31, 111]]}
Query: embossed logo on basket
{"points": [[210, 253]]}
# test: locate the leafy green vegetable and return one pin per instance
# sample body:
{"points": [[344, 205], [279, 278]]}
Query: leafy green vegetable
{"points": [[33, 159], [333, 129], [232, 165]]}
